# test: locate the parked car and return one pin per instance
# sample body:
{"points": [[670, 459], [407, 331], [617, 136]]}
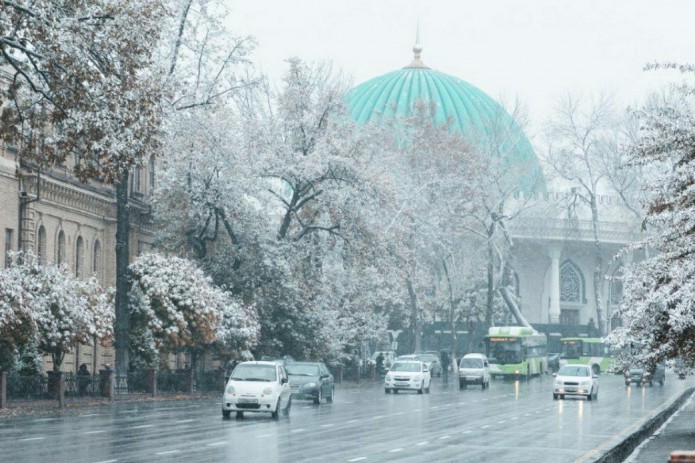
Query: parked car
{"points": [[257, 387], [311, 381], [577, 380], [474, 369], [408, 375]]}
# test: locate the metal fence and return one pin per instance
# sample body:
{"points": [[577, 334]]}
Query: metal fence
{"points": [[20, 387]]}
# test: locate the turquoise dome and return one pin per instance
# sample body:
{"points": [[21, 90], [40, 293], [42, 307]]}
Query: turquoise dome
{"points": [[466, 108]]}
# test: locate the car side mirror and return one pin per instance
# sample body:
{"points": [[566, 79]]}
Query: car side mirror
{"points": [[283, 380], [554, 375]]}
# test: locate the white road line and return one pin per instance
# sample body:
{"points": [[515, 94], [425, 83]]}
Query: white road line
{"points": [[214, 444], [90, 414], [445, 437], [168, 452], [352, 421], [358, 459], [94, 432], [327, 425], [298, 430], [395, 450], [46, 419], [107, 461], [514, 418], [377, 417], [31, 438], [263, 435], [433, 408], [184, 421], [462, 403], [500, 422], [485, 427], [466, 432], [142, 426], [423, 443], [399, 413]]}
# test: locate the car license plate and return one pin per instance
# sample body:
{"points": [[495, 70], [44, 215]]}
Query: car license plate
{"points": [[247, 401], [571, 389], [401, 384]]}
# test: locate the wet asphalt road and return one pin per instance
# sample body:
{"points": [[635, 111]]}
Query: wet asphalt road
{"points": [[511, 421]]}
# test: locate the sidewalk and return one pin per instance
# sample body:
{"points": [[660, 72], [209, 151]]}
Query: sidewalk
{"points": [[677, 433]]}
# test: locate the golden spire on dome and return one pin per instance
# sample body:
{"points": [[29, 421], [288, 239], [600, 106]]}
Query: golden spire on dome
{"points": [[417, 50]]}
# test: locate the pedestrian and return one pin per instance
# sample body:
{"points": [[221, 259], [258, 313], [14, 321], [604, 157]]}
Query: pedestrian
{"points": [[83, 379], [445, 362], [379, 363], [591, 328]]}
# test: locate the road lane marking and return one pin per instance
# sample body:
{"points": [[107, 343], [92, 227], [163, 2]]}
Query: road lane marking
{"points": [[423, 443], [298, 430], [395, 450], [107, 461], [94, 432], [142, 426], [168, 452], [46, 419], [358, 459], [485, 427], [500, 422], [466, 432], [514, 418], [90, 414], [377, 417], [399, 413], [31, 438], [327, 425], [462, 403], [445, 437], [214, 444], [352, 421], [263, 435], [185, 421]]}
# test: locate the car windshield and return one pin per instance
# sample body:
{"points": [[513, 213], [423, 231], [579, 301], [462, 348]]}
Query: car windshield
{"points": [[406, 366], [302, 370], [254, 373], [569, 370], [472, 363]]}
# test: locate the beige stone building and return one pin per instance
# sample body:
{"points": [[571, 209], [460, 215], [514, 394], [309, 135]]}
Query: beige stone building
{"points": [[62, 220]]}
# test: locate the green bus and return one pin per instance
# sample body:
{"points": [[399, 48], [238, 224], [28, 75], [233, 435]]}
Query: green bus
{"points": [[586, 351], [516, 351]]}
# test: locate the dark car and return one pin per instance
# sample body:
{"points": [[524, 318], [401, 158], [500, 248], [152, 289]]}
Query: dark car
{"points": [[310, 381], [635, 375], [285, 359]]}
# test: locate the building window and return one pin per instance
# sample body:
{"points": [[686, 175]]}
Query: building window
{"points": [[569, 317], [79, 256], [8, 246], [616, 293], [571, 284], [97, 258], [60, 251], [136, 179], [41, 248]]}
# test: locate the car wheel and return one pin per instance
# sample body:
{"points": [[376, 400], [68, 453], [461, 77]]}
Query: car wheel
{"points": [[554, 396], [462, 385], [639, 383], [387, 390], [317, 400], [286, 411], [661, 383], [627, 384], [590, 395], [239, 415], [422, 388], [226, 413], [329, 399], [276, 414], [562, 397], [395, 391], [427, 389]]}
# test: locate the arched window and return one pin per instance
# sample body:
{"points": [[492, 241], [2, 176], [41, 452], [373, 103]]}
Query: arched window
{"points": [[41, 245], [79, 256], [60, 250], [150, 173], [96, 266], [571, 283], [136, 179]]}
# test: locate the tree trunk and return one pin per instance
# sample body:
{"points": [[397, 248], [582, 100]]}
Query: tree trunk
{"points": [[417, 329], [122, 323], [598, 267], [453, 347], [490, 280]]}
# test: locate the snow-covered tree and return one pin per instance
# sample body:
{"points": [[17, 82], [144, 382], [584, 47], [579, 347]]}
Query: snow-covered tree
{"points": [[178, 306], [56, 309], [659, 292]]}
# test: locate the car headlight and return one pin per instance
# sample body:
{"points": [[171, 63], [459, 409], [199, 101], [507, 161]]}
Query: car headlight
{"points": [[267, 391], [558, 383], [310, 385], [389, 377], [230, 389]]}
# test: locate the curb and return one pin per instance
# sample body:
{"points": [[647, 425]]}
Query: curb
{"points": [[619, 452]]}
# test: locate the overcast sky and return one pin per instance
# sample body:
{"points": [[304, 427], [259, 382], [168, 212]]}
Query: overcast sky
{"points": [[535, 50]]}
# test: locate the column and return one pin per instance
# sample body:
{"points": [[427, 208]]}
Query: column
{"points": [[554, 309]]}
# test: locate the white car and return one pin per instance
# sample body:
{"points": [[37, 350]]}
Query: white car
{"points": [[576, 380], [474, 369], [408, 375], [257, 387]]}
